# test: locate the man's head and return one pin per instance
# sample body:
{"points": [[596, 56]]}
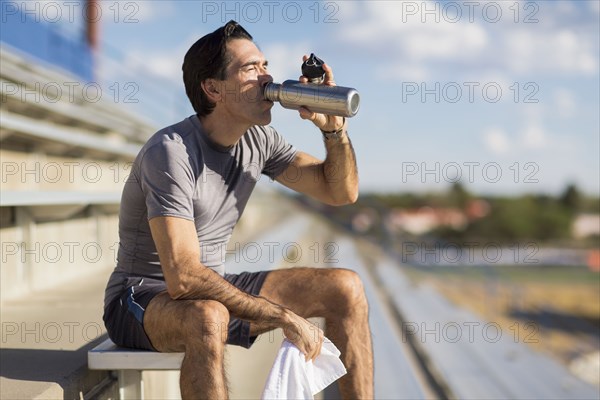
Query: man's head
{"points": [[208, 59]]}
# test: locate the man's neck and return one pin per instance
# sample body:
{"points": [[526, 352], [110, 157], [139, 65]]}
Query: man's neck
{"points": [[220, 129]]}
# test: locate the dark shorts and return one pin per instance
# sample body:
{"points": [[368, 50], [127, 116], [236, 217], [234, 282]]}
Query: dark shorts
{"points": [[124, 316]]}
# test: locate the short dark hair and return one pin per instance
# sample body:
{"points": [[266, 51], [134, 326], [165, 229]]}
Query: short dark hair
{"points": [[206, 59]]}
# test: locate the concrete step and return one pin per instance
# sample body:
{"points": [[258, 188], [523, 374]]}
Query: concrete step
{"points": [[473, 356]]}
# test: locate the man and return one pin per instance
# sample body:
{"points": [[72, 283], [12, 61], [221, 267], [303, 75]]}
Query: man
{"points": [[187, 189]]}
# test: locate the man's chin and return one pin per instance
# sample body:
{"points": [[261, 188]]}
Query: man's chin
{"points": [[266, 118]]}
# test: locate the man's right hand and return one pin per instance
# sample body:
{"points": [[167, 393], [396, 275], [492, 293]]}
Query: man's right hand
{"points": [[307, 336]]}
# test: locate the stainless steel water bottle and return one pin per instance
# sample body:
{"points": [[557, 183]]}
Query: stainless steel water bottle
{"points": [[331, 100]]}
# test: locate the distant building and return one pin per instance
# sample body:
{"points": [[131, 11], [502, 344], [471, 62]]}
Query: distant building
{"points": [[477, 208], [425, 219], [586, 225]]}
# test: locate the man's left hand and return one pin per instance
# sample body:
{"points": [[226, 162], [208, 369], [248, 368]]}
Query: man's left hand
{"points": [[322, 121]]}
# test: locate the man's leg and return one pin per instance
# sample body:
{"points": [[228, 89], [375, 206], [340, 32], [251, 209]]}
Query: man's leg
{"points": [[338, 296], [198, 328]]}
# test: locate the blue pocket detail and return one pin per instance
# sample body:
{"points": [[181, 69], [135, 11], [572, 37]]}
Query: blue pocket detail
{"points": [[133, 307]]}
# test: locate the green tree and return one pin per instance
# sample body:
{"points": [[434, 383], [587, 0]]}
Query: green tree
{"points": [[571, 198], [459, 196]]}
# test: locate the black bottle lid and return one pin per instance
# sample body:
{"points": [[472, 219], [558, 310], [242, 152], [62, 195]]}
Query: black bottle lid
{"points": [[312, 68]]}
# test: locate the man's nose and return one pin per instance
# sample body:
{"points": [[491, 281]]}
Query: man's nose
{"points": [[265, 78]]}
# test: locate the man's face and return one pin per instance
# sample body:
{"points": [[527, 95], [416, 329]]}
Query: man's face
{"points": [[246, 74]]}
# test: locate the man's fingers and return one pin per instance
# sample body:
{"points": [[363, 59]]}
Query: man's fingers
{"points": [[318, 350], [303, 334], [328, 75], [305, 113], [317, 344], [312, 355], [321, 338]]}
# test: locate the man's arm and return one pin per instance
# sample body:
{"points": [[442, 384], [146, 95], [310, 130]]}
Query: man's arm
{"points": [[186, 278], [333, 181]]}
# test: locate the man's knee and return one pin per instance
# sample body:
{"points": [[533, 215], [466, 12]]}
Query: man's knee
{"points": [[350, 291], [207, 323]]}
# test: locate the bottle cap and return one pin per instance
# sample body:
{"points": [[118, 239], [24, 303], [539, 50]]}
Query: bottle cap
{"points": [[312, 68]]}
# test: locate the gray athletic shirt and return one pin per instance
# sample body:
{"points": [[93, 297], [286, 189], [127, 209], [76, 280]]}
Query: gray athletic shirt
{"points": [[181, 173]]}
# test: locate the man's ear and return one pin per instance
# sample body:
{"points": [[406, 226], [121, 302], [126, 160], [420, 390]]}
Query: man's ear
{"points": [[212, 89]]}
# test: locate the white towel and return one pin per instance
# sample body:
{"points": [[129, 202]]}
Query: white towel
{"points": [[292, 377]]}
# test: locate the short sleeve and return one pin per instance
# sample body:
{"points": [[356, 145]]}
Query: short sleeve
{"points": [[167, 181], [280, 154]]}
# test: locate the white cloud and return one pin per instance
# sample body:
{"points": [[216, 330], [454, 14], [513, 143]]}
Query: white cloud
{"points": [[566, 7], [495, 77], [496, 140], [346, 10], [402, 44], [529, 136], [529, 50], [565, 103], [423, 46], [166, 65], [125, 11], [144, 10], [534, 137], [389, 27], [402, 71], [444, 41]]}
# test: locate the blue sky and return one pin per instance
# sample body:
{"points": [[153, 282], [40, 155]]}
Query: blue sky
{"points": [[504, 94]]}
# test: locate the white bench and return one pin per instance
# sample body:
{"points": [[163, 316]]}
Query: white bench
{"points": [[129, 364]]}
